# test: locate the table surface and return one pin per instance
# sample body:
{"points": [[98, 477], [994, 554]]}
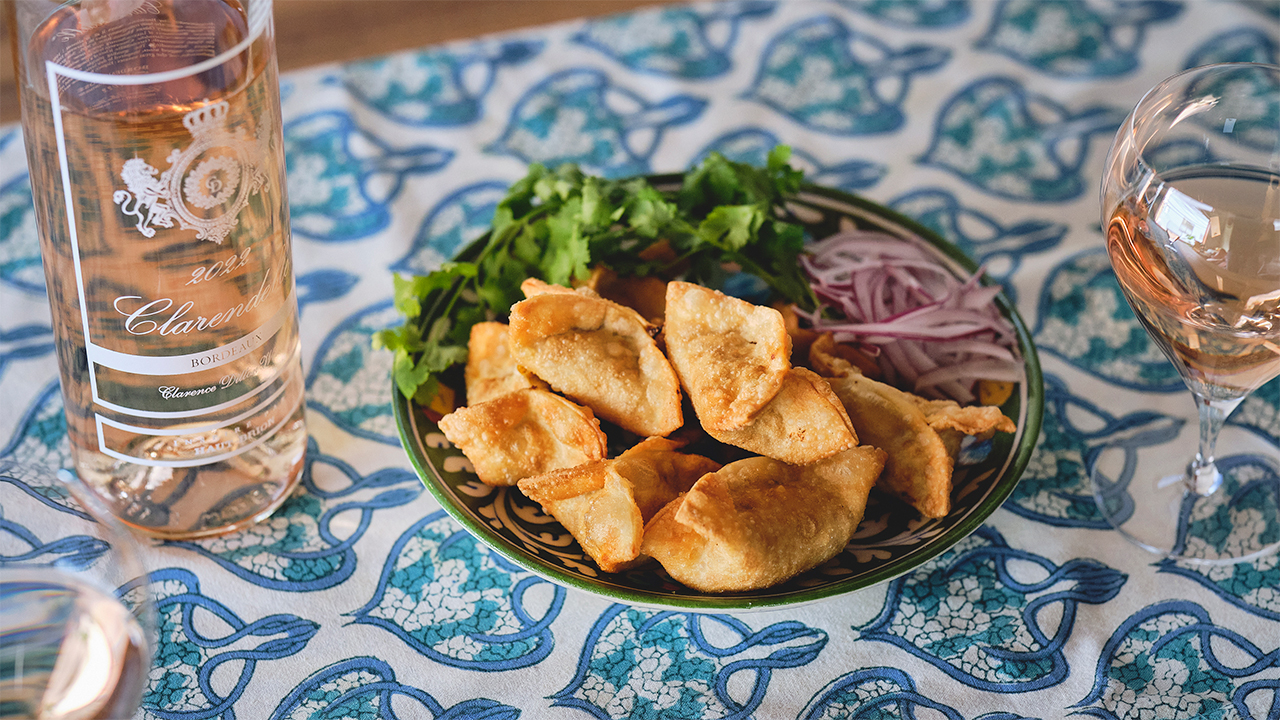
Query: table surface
{"points": [[312, 32], [987, 121]]}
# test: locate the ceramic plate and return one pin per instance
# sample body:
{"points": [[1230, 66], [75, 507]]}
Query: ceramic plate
{"points": [[891, 540]]}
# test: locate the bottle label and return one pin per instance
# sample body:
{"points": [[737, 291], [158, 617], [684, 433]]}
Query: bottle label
{"points": [[223, 179], [191, 384], [258, 418], [189, 348]]}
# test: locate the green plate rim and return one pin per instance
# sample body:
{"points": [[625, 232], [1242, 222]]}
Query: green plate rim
{"points": [[760, 600]]}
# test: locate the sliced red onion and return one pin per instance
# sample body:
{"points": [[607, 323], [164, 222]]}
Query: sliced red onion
{"points": [[986, 369], [935, 333]]}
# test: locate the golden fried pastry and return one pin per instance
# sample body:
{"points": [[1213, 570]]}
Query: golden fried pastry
{"points": [[952, 422], [801, 337], [491, 370], [533, 286], [831, 359], [658, 473], [731, 356], [645, 295], [919, 466], [804, 423], [978, 420], [605, 504], [921, 436], [600, 354], [597, 506], [757, 522], [524, 433]]}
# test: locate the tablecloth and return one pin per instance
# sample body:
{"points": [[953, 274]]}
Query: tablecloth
{"points": [[988, 121]]}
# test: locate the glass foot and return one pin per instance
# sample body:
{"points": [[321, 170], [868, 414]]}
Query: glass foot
{"points": [[1143, 492]]}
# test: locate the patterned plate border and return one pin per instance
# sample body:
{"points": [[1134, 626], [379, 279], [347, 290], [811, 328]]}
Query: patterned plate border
{"points": [[891, 540]]}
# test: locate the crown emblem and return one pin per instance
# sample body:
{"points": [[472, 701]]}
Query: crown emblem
{"points": [[219, 185], [207, 118]]}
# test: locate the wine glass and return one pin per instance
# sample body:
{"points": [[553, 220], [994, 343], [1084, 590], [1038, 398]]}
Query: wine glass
{"points": [[1191, 212], [76, 618]]}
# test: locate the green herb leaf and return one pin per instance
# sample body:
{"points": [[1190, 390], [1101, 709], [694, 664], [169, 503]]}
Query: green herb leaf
{"points": [[409, 376], [731, 226], [557, 224], [650, 213]]}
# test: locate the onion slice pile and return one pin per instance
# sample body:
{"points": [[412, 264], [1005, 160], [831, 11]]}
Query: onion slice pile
{"points": [[928, 329]]}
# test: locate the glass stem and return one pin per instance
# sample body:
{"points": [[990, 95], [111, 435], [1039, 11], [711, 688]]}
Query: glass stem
{"points": [[1203, 476]]}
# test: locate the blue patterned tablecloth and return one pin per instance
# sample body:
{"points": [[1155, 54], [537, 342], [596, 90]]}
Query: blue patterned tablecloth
{"points": [[988, 121]]}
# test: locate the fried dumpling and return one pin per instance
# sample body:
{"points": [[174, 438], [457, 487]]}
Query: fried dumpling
{"points": [[953, 422], [659, 473], [731, 356], [646, 295], [922, 437], [523, 433], [757, 522], [831, 359], [605, 504], [597, 506], [600, 354], [533, 286], [919, 465], [978, 420], [491, 369], [804, 423], [801, 337]]}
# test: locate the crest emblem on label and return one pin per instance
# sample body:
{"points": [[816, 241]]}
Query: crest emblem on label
{"points": [[206, 185]]}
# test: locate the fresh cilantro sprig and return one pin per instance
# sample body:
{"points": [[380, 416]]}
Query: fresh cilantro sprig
{"points": [[556, 224], [742, 215]]}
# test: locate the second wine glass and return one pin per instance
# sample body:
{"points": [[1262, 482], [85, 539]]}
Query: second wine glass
{"points": [[77, 622]]}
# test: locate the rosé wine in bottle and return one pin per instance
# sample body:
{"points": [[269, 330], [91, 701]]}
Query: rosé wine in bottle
{"points": [[154, 142]]}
